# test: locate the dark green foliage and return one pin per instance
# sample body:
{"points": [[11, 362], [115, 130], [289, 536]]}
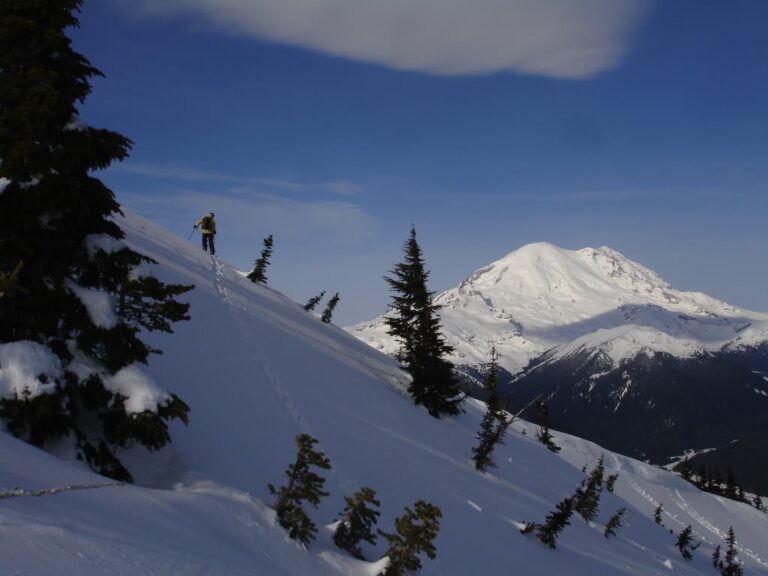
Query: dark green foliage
{"points": [[614, 522], [328, 312], [757, 502], [685, 470], [657, 514], [58, 220], [717, 561], [685, 543], [494, 424], [556, 522], [314, 301], [414, 322], [730, 565], [587, 497], [304, 485], [9, 281], [610, 482], [542, 419], [414, 534], [358, 517], [259, 273]]}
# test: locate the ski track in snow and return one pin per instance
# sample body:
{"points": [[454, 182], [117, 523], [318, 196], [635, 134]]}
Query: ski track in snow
{"points": [[21, 493], [703, 522], [261, 359], [257, 352]]}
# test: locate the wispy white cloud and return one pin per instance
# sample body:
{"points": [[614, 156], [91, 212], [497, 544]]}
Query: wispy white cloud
{"points": [[242, 213], [172, 172], [557, 38]]}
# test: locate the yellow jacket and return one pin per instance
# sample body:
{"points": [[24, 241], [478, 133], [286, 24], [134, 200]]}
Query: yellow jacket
{"points": [[208, 222]]}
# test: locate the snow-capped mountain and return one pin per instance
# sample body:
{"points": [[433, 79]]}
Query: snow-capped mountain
{"points": [[541, 296], [623, 358], [256, 369]]}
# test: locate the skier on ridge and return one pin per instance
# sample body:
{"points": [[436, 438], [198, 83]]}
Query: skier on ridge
{"points": [[208, 223]]}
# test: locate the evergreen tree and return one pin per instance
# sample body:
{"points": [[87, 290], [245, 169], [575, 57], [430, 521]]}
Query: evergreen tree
{"points": [[731, 485], [731, 565], [685, 543], [61, 251], [542, 418], [717, 561], [494, 424], [314, 301], [328, 312], [757, 502], [259, 273], [610, 483], [358, 517], [415, 532], [415, 323], [657, 514], [556, 522], [303, 485], [587, 497], [685, 470], [614, 523]]}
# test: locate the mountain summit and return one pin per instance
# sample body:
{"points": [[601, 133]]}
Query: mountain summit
{"points": [[540, 297]]}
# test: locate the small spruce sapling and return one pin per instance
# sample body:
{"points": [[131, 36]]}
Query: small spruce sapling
{"points": [[494, 424], [314, 301], [555, 522], [329, 308], [544, 436], [358, 517], [657, 514], [610, 483], [415, 532], [730, 565], [587, 497], [717, 561], [303, 485], [259, 273], [685, 543], [614, 522]]}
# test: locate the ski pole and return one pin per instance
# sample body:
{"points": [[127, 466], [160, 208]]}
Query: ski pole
{"points": [[190, 234]]}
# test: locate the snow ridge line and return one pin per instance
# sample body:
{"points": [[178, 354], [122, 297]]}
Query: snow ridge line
{"points": [[22, 493]]}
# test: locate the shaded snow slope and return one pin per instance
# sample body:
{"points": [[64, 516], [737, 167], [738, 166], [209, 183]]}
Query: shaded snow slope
{"points": [[256, 370], [542, 296]]}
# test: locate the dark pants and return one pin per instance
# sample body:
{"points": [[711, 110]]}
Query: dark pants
{"points": [[208, 241]]}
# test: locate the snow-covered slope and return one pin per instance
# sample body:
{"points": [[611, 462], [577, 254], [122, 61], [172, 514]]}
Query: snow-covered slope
{"points": [[256, 370], [542, 296]]}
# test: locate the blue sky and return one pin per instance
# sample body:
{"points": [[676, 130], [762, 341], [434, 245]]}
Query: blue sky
{"points": [[336, 124]]}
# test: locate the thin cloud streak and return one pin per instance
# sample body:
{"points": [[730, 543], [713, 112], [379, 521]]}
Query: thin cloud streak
{"points": [[291, 218], [185, 174], [555, 38]]}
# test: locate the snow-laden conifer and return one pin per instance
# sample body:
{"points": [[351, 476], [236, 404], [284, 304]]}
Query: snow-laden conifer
{"points": [[69, 283]]}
